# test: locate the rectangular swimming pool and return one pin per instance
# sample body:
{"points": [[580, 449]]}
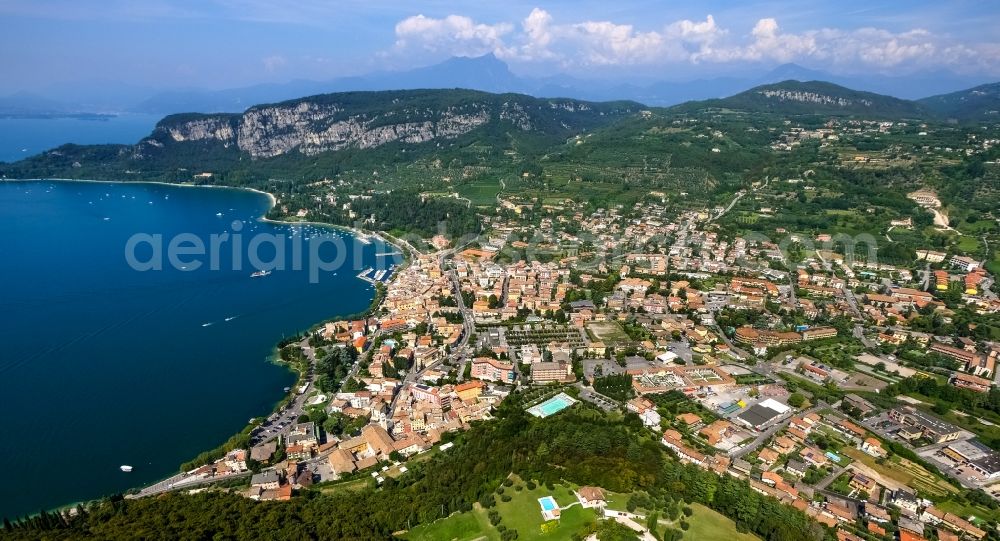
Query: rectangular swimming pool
{"points": [[552, 406], [548, 503]]}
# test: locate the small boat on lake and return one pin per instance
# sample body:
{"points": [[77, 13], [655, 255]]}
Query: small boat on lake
{"points": [[126, 468]]}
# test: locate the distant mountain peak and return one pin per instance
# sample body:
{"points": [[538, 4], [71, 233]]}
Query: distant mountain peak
{"points": [[485, 58], [796, 72], [487, 62]]}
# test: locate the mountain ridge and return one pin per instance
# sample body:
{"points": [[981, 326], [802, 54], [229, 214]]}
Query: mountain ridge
{"points": [[978, 103], [325, 132], [793, 97], [486, 73], [336, 127], [315, 124]]}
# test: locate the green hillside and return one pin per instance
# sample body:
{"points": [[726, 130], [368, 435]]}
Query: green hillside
{"points": [[979, 103], [584, 447], [318, 136], [812, 97]]}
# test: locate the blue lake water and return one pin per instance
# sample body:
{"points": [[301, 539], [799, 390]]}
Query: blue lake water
{"points": [[104, 365], [23, 137]]}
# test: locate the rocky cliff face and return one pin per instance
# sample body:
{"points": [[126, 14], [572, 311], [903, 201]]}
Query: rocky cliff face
{"points": [[219, 128], [813, 97], [338, 121], [312, 128]]}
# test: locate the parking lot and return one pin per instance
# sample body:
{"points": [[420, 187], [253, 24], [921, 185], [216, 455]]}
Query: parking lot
{"points": [[682, 349], [598, 399], [274, 425], [607, 368]]}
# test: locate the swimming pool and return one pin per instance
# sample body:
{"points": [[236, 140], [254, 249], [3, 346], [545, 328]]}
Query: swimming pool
{"points": [[552, 406], [548, 503]]}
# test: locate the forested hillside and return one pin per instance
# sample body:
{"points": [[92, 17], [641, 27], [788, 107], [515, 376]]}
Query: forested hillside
{"points": [[979, 103], [317, 136], [584, 446], [830, 158], [813, 97]]}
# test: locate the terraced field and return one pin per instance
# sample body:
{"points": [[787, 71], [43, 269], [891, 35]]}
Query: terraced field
{"points": [[903, 471]]}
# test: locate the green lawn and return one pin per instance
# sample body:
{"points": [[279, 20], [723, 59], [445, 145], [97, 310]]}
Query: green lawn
{"points": [[482, 192], [994, 265], [524, 514], [704, 522], [616, 501], [976, 228], [708, 524], [361, 483], [470, 526], [968, 244]]}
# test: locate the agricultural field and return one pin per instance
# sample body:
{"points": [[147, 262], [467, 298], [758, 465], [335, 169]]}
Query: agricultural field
{"points": [[543, 334], [609, 332]]}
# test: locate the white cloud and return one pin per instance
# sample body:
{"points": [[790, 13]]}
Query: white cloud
{"points": [[540, 39], [878, 48], [605, 43], [694, 41], [846, 49], [706, 32], [538, 35], [454, 34], [770, 44]]}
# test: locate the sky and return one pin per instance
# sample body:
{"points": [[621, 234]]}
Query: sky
{"points": [[229, 43]]}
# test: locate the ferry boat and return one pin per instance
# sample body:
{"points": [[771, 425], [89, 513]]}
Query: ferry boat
{"points": [[260, 274], [126, 468]]}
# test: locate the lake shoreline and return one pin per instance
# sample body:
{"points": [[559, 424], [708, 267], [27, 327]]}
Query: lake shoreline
{"points": [[274, 357], [262, 218]]}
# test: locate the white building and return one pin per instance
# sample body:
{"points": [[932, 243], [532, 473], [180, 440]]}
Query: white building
{"points": [[966, 264]]}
